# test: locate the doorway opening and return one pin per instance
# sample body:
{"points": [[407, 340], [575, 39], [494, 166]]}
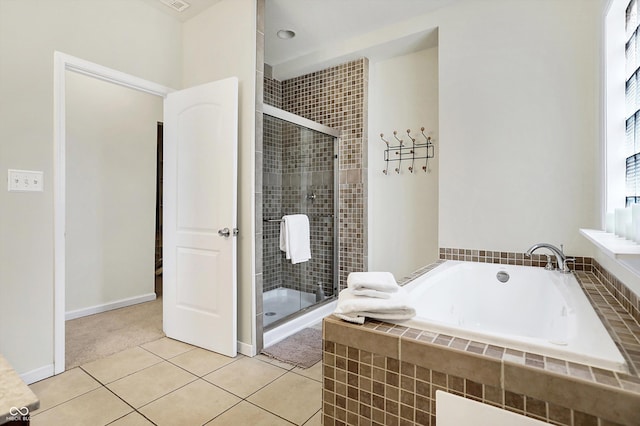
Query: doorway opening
{"points": [[112, 218], [199, 244], [66, 66]]}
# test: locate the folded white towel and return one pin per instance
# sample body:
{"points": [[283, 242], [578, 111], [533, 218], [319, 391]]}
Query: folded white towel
{"points": [[372, 293], [380, 281], [355, 308], [295, 238]]}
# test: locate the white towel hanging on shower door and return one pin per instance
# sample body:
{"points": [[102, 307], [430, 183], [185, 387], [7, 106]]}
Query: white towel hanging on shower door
{"points": [[295, 238]]}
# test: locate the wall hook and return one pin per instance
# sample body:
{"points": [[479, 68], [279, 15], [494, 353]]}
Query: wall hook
{"points": [[413, 149], [386, 154], [398, 153], [383, 139], [430, 153], [409, 134], [399, 140]]}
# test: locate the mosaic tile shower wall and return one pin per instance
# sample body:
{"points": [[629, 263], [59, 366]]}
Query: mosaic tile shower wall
{"points": [[272, 92], [335, 97]]}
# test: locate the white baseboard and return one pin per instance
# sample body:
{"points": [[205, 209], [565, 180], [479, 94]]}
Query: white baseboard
{"points": [[246, 349], [78, 313], [37, 374]]}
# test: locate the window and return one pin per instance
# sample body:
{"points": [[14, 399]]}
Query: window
{"points": [[632, 98]]}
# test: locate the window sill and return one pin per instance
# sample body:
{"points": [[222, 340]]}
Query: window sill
{"points": [[625, 252]]}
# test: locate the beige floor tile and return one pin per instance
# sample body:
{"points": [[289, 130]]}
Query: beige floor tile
{"points": [[194, 404], [121, 364], [61, 388], [273, 361], [167, 348], [247, 414], [291, 396], [316, 420], [245, 376], [200, 361], [314, 372], [317, 325], [96, 408], [151, 383], [132, 419]]}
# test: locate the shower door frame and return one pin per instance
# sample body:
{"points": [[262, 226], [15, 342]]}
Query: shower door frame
{"points": [[335, 133]]}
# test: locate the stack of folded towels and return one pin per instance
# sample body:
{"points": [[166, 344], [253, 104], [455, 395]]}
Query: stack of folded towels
{"points": [[374, 295]]}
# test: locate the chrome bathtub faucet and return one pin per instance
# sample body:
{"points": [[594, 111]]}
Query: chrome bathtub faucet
{"points": [[561, 259]]}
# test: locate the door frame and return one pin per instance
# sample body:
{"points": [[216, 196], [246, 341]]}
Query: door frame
{"points": [[63, 63]]}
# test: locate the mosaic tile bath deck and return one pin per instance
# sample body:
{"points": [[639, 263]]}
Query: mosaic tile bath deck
{"points": [[387, 374]]}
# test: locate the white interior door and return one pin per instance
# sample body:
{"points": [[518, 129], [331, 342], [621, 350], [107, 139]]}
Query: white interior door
{"points": [[200, 187]]}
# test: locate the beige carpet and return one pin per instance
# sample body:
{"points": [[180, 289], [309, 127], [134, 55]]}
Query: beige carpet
{"points": [[302, 349], [97, 336]]}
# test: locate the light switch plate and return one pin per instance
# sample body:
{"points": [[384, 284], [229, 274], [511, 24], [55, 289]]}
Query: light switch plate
{"points": [[25, 181]]}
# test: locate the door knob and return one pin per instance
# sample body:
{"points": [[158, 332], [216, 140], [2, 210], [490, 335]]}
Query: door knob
{"points": [[224, 232]]}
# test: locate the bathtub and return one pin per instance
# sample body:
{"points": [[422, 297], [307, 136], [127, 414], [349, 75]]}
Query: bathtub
{"points": [[534, 310]]}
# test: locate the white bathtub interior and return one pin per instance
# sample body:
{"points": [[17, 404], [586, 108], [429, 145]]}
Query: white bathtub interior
{"points": [[536, 310]]}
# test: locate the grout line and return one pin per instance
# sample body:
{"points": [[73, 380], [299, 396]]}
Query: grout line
{"points": [[126, 375], [264, 409], [195, 378], [319, 411], [219, 414], [132, 407], [68, 400]]}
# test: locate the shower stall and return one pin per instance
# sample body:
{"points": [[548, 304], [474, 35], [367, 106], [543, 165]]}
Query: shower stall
{"points": [[300, 167]]}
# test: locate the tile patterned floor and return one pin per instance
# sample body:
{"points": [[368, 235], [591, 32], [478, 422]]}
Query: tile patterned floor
{"points": [[167, 382]]}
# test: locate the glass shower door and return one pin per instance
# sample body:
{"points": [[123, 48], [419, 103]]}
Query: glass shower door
{"points": [[299, 178]]}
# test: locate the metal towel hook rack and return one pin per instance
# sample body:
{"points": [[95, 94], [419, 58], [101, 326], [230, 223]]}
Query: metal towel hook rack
{"points": [[417, 151]]}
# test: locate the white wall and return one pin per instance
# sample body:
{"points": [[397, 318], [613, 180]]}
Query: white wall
{"points": [[111, 191], [220, 43], [518, 124], [126, 35], [403, 208]]}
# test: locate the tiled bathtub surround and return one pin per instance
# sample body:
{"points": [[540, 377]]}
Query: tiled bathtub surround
{"points": [[628, 299], [386, 374], [381, 373], [508, 258]]}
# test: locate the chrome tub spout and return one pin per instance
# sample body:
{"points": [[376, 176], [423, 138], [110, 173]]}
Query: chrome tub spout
{"points": [[561, 259]]}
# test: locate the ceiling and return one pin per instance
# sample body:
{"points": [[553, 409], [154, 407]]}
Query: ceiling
{"points": [[195, 8], [321, 25]]}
